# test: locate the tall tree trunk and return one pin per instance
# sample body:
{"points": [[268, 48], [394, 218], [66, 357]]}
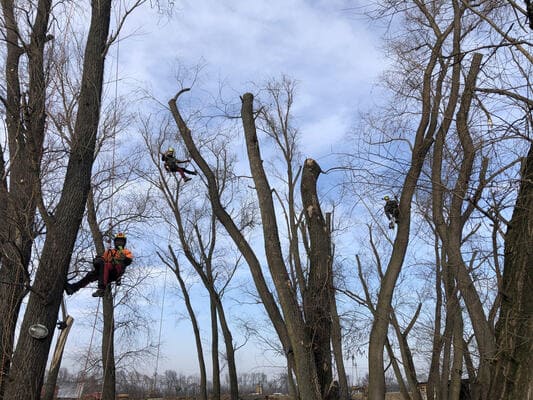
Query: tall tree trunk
{"points": [[302, 346], [512, 376], [423, 140], [108, 346], [317, 297], [25, 121], [215, 361], [451, 232], [336, 344], [291, 328], [30, 356]]}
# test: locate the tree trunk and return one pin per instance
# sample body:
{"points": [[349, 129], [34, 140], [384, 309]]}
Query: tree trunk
{"points": [[302, 346], [215, 395], [336, 344], [317, 297], [512, 376], [433, 391], [25, 121], [423, 140], [30, 356], [108, 346]]}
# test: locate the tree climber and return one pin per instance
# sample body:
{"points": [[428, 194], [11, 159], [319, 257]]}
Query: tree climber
{"points": [[392, 211], [107, 268], [171, 164]]}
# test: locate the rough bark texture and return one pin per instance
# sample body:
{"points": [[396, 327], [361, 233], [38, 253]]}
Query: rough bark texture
{"points": [[317, 297], [513, 370], [25, 119], [29, 359]]}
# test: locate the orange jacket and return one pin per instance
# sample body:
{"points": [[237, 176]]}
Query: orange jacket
{"points": [[123, 256]]}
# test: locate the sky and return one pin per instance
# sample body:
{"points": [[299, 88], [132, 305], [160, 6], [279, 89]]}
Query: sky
{"points": [[333, 55]]}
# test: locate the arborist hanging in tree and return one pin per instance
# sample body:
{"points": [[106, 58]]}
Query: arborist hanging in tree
{"points": [[392, 210], [107, 268], [171, 164]]}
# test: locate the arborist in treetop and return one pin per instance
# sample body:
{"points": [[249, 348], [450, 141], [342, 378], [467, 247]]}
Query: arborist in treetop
{"points": [[171, 164], [107, 268], [392, 210]]}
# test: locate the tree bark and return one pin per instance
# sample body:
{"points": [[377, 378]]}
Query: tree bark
{"points": [[317, 297], [512, 376], [25, 121], [30, 356], [108, 346], [215, 361]]}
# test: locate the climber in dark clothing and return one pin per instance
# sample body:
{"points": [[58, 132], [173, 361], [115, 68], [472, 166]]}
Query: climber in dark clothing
{"points": [[392, 210], [171, 164], [108, 267]]}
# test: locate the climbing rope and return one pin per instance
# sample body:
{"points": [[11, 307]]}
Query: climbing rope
{"points": [[81, 383], [105, 362], [112, 176]]}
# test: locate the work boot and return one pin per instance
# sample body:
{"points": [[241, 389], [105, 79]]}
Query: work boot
{"points": [[99, 293], [69, 289]]}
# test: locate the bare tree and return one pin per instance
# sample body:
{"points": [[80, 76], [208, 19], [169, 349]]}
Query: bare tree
{"points": [[292, 329]]}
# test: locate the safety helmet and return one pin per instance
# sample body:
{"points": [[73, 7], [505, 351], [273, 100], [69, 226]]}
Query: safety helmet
{"points": [[387, 198], [120, 239], [170, 150]]}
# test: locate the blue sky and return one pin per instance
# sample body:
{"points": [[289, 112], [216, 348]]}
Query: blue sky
{"points": [[333, 56]]}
